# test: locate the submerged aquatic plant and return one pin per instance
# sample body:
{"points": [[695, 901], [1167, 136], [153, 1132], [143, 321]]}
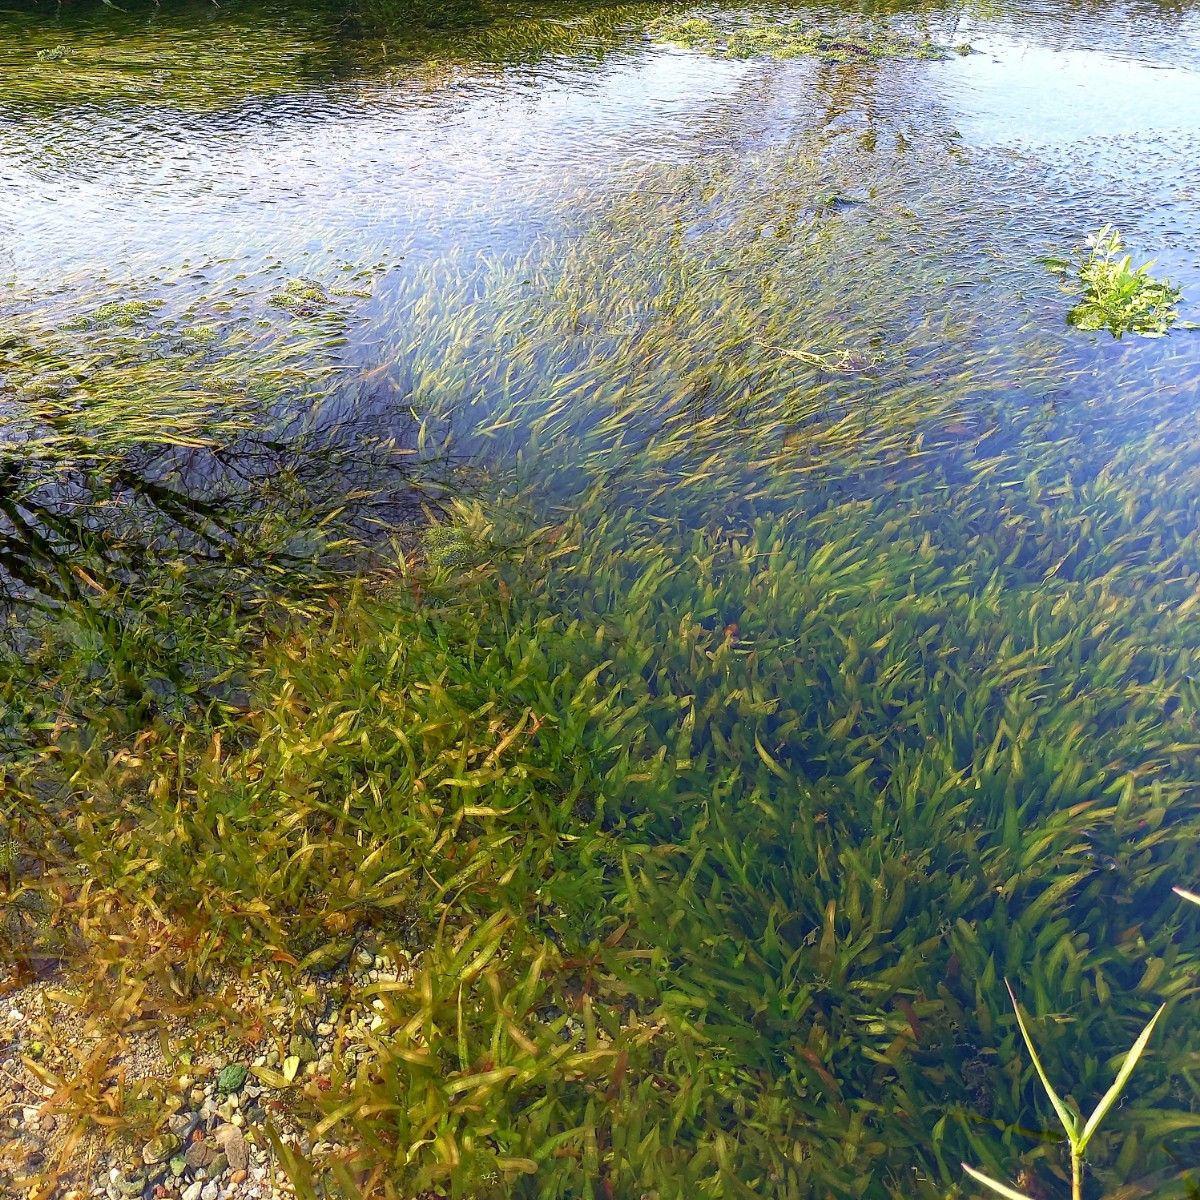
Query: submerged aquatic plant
{"points": [[86, 54], [794, 39], [453, 544], [1116, 295], [715, 805], [301, 297], [1079, 1132]]}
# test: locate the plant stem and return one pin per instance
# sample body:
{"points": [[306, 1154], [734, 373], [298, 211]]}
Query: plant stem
{"points": [[1076, 1174]]}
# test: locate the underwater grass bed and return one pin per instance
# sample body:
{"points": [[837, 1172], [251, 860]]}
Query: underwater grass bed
{"points": [[795, 39], [707, 892], [188, 56], [823, 653]]}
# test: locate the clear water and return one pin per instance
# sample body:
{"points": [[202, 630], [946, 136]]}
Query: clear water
{"points": [[202, 153], [725, 293]]}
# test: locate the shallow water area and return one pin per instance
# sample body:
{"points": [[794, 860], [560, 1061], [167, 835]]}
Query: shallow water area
{"points": [[887, 573]]}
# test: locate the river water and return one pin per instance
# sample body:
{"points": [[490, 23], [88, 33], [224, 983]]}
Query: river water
{"points": [[795, 303]]}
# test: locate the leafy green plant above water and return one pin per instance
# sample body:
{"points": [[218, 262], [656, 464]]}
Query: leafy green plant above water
{"points": [[1116, 295], [795, 39], [1079, 1132]]}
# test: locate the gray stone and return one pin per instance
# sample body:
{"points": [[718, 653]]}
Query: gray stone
{"points": [[193, 1190], [182, 1124], [232, 1141]]}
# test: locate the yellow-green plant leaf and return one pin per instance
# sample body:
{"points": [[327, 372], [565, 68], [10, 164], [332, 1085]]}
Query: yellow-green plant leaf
{"points": [[291, 1066], [1069, 1121], [1110, 1097], [994, 1184], [272, 1079]]}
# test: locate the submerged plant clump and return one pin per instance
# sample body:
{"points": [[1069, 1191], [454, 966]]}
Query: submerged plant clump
{"points": [[452, 545], [795, 39], [302, 297], [1116, 295]]}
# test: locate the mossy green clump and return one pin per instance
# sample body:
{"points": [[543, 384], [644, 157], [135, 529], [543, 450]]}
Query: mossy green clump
{"points": [[301, 297], [126, 312], [452, 545], [794, 39]]}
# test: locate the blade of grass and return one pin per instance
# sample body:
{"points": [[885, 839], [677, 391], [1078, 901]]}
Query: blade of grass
{"points": [[1110, 1097], [1069, 1121], [994, 1184]]}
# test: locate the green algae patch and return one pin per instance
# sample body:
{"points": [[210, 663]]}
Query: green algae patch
{"points": [[302, 297], [795, 39]]}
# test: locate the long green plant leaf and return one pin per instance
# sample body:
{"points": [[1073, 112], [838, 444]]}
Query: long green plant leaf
{"points": [[1069, 1121], [995, 1184], [1110, 1097]]}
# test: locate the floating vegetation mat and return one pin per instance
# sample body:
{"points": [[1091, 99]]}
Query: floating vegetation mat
{"points": [[795, 39]]}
